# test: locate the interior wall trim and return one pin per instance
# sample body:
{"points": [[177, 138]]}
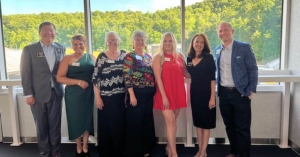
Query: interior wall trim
{"points": [[294, 147]]}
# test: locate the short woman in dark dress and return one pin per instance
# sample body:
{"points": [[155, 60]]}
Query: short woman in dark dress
{"points": [[139, 80], [201, 66], [109, 91]]}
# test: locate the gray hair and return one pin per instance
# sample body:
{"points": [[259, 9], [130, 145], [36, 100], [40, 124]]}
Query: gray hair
{"points": [[112, 33], [139, 34]]}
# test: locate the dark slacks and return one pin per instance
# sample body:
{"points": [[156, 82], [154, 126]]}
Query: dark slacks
{"points": [[111, 126], [236, 113], [140, 133], [47, 117]]}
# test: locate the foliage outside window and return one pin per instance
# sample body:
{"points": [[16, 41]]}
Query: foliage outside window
{"points": [[257, 22]]}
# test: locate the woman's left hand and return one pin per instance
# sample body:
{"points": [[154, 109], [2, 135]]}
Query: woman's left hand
{"points": [[212, 103]]}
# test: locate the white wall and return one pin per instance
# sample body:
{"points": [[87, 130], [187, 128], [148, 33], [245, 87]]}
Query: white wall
{"points": [[294, 65]]}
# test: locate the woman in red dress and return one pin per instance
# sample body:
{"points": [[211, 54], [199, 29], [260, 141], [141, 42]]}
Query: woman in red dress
{"points": [[169, 70]]}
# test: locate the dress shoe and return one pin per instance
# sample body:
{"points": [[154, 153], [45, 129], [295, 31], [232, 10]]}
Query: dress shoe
{"points": [[79, 154], [198, 154], [86, 154]]}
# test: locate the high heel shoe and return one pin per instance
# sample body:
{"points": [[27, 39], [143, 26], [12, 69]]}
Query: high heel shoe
{"points": [[198, 154], [79, 154], [167, 150], [205, 155], [86, 154]]}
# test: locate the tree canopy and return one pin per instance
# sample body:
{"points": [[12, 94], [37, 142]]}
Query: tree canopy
{"points": [[257, 22]]}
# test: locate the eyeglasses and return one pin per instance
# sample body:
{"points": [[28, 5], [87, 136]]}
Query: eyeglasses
{"points": [[112, 40]]}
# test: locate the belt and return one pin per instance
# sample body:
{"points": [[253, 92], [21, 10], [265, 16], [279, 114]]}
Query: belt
{"points": [[229, 88]]}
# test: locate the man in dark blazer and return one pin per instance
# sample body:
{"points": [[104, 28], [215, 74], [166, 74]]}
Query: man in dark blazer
{"points": [[39, 64], [237, 80]]}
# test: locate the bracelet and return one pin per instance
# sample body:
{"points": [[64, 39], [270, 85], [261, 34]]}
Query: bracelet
{"points": [[79, 83]]}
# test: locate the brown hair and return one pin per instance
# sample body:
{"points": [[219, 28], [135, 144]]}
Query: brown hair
{"points": [[78, 37], [206, 50]]}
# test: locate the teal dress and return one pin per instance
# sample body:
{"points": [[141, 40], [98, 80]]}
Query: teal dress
{"points": [[80, 102]]}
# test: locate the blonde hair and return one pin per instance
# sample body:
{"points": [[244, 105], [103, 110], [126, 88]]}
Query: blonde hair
{"points": [[160, 50]]}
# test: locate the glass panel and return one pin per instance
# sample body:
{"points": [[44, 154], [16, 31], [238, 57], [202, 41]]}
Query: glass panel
{"points": [[21, 20], [154, 17], [257, 22]]}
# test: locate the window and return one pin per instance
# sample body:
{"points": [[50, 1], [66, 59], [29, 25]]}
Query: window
{"points": [[154, 17], [257, 22], [21, 20]]}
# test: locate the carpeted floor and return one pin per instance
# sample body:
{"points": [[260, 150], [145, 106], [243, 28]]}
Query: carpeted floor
{"points": [[68, 150]]}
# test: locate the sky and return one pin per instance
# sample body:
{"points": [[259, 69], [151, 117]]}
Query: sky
{"points": [[9, 7]]}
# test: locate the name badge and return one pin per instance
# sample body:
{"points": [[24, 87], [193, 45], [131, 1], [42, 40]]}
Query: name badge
{"points": [[168, 59], [138, 57], [189, 64], [110, 61], [76, 64], [40, 54]]}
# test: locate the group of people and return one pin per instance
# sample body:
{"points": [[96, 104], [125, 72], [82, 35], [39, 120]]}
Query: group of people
{"points": [[127, 86]]}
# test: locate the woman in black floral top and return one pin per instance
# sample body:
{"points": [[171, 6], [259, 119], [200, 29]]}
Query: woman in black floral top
{"points": [[140, 83], [109, 91]]}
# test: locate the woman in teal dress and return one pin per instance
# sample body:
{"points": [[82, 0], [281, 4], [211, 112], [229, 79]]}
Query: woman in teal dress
{"points": [[75, 71]]}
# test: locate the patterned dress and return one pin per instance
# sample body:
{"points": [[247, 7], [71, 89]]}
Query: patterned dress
{"points": [[108, 77], [140, 133]]}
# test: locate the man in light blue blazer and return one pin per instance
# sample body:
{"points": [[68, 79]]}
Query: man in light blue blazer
{"points": [[39, 65], [237, 81]]}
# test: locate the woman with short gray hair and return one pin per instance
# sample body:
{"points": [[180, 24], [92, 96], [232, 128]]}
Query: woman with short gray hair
{"points": [[140, 85], [109, 91]]}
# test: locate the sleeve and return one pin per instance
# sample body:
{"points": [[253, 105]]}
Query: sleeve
{"points": [[127, 71], [26, 72], [211, 68], [251, 68], [96, 79]]}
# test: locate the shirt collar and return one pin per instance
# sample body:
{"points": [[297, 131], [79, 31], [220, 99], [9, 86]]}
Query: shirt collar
{"points": [[43, 45], [229, 46]]}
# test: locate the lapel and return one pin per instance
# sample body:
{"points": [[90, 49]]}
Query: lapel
{"points": [[234, 52], [58, 53]]}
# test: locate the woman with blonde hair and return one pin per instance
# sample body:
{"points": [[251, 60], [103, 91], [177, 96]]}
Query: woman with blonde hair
{"points": [[169, 69], [75, 71]]}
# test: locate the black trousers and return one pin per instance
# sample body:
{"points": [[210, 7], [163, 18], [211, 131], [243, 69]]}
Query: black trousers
{"points": [[236, 113], [140, 133], [111, 126]]}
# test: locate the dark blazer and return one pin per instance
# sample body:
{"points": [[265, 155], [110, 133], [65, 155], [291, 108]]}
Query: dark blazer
{"points": [[36, 74], [243, 67]]}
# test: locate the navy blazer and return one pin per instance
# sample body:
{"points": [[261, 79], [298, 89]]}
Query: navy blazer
{"points": [[243, 67]]}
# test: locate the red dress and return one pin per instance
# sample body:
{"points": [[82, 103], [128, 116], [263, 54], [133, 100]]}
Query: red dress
{"points": [[172, 76]]}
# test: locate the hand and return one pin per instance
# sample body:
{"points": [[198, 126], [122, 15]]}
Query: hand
{"points": [[133, 100], [250, 96], [166, 103], [30, 100], [83, 84], [99, 103], [212, 103]]}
